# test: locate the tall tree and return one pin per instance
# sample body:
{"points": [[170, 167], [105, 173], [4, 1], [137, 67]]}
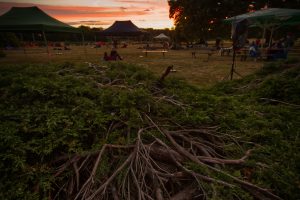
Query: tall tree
{"points": [[203, 18]]}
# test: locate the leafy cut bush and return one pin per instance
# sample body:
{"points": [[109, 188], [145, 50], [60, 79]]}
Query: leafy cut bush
{"points": [[2, 54], [92, 132], [9, 40]]}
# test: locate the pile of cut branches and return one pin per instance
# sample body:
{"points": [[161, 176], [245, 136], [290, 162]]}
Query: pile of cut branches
{"points": [[116, 133], [165, 160], [155, 169]]}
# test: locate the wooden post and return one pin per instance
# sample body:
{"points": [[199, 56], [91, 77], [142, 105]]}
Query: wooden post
{"points": [[165, 74]]}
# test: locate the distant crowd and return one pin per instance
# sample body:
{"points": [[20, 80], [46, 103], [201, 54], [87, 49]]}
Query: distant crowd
{"points": [[274, 49]]}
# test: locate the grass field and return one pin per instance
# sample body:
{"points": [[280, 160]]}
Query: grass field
{"points": [[56, 114], [197, 70], [51, 109]]}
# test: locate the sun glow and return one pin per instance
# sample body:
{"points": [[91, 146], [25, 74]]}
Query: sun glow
{"points": [[145, 14]]}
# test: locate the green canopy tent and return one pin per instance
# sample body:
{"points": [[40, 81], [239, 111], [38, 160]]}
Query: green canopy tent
{"points": [[270, 18], [33, 19], [122, 28]]}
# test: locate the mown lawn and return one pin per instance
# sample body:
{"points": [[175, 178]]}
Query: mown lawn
{"points": [[197, 71]]}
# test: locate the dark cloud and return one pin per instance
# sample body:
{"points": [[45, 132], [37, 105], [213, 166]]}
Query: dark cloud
{"points": [[90, 23]]}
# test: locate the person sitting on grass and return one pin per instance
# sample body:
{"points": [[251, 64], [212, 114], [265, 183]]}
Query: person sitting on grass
{"points": [[67, 48], [113, 56], [106, 57], [124, 45]]}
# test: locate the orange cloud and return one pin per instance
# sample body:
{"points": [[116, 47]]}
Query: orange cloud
{"points": [[145, 2], [68, 16], [105, 15]]}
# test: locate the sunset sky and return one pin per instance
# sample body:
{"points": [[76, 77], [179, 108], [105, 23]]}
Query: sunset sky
{"points": [[101, 13]]}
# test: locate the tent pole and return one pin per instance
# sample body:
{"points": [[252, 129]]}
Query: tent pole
{"points": [[46, 43], [96, 42], [233, 63], [33, 38], [23, 44], [82, 35], [264, 35], [270, 41]]}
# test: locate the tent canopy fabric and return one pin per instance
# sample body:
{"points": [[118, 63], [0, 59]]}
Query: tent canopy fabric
{"points": [[32, 19], [162, 37], [269, 17], [122, 28]]}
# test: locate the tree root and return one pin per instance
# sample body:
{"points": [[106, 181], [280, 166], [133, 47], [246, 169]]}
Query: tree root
{"points": [[172, 166]]}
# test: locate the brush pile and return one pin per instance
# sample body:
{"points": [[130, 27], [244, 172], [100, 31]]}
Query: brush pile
{"points": [[97, 132]]}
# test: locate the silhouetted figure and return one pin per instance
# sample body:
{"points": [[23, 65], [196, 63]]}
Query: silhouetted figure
{"points": [[289, 41], [258, 43], [276, 51], [218, 43], [106, 57], [166, 45], [203, 42], [67, 48], [113, 56], [115, 44], [254, 50]]}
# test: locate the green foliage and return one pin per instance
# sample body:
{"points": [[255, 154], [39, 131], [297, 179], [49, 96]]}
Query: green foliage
{"points": [[273, 125], [48, 111], [238, 108], [89, 33], [9, 39], [196, 19], [53, 110], [2, 54]]}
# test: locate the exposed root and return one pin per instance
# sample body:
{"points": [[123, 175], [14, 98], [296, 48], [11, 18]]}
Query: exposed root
{"points": [[164, 161], [154, 169]]}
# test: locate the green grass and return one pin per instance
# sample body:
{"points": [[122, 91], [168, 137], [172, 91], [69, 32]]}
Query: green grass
{"points": [[195, 71], [51, 109]]}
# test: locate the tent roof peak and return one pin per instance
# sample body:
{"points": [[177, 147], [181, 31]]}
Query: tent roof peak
{"points": [[32, 19]]}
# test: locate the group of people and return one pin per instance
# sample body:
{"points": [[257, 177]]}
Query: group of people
{"points": [[278, 49]]}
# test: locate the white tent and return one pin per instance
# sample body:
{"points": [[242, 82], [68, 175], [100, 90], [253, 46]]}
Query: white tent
{"points": [[162, 37]]}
